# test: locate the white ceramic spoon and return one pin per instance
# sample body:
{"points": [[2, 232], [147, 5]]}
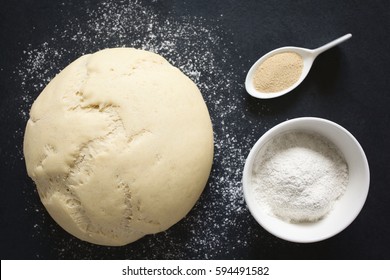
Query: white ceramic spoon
{"points": [[308, 55]]}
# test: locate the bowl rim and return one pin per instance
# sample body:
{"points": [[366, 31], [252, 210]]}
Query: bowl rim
{"points": [[246, 178]]}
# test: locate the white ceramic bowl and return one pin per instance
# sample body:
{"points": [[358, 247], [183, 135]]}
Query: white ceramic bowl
{"points": [[345, 209]]}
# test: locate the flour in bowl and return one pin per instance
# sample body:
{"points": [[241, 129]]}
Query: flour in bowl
{"points": [[297, 176]]}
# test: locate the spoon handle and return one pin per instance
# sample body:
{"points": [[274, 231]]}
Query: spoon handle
{"points": [[331, 44]]}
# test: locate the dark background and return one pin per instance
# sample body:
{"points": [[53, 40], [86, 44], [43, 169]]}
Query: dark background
{"points": [[348, 84]]}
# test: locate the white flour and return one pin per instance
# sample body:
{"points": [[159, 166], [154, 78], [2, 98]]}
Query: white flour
{"points": [[298, 176]]}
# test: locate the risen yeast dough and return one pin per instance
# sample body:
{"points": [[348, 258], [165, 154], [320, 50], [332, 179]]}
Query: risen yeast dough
{"points": [[120, 145]]}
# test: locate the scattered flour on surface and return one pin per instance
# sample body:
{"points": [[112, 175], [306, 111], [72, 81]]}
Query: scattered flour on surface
{"points": [[189, 43]]}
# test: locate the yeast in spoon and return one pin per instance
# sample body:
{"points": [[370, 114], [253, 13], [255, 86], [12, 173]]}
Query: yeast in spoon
{"points": [[278, 72], [281, 70]]}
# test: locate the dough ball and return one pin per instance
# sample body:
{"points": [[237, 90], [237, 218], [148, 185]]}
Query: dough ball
{"points": [[119, 145]]}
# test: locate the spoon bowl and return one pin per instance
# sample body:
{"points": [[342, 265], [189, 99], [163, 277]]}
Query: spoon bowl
{"points": [[308, 56]]}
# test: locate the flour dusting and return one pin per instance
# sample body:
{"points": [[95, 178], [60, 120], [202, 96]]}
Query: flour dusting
{"points": [[203, 51]]}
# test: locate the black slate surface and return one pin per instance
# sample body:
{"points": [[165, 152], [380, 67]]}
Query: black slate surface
{"points": [[215, 43]]}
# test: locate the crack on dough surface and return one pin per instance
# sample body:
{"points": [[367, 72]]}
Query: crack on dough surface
{"points": [[83, 168]]}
